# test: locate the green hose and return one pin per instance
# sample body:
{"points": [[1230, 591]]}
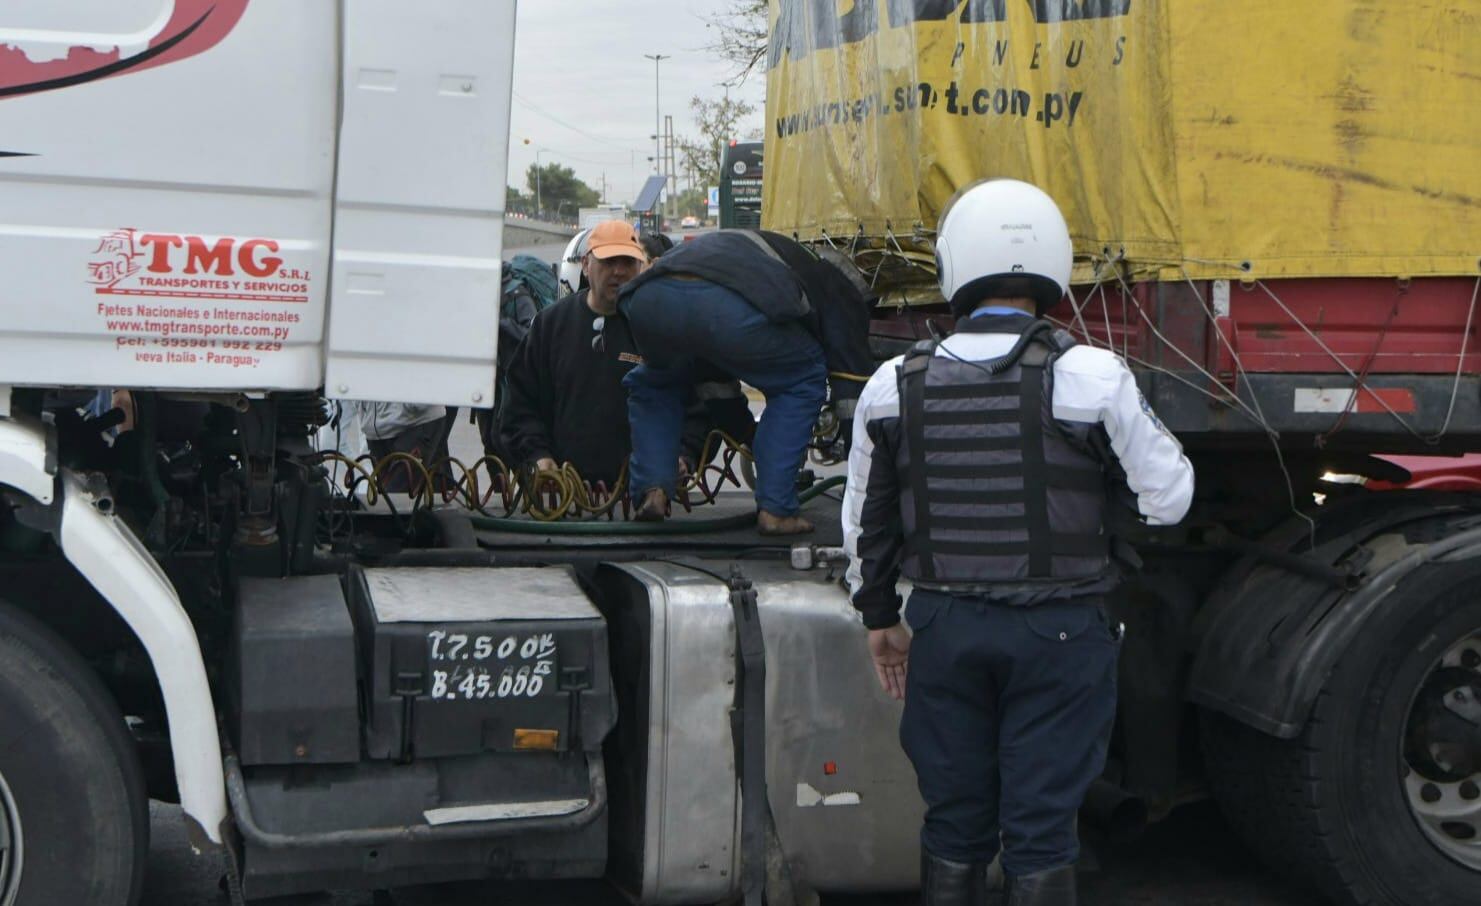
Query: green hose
{"points": [[667, 527]]}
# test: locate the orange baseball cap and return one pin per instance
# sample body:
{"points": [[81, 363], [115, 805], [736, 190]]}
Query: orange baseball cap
{"points": [[615, 238]]}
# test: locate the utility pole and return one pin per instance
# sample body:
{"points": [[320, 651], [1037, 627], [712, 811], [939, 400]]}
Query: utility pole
{"points": [[657, 117], [671, 168]]}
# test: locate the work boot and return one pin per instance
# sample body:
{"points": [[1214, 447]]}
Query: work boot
{"points": [[947, 883], [654, 507], [772, 524], [1055, 887]]}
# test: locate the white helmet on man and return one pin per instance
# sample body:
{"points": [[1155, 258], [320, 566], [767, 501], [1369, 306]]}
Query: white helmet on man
{"points": [[570, 275], [1003, 238]]}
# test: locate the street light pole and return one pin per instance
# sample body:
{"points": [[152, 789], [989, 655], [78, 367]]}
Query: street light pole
{"points": [[657, 146]]}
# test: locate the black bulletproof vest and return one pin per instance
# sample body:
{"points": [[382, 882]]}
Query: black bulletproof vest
{"points": [[994, 489]]}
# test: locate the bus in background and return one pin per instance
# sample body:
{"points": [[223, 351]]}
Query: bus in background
{"points": [[740, 186]]}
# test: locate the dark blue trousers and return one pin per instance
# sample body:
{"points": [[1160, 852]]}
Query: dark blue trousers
{"points": [[1008, 712], [678, 323]]}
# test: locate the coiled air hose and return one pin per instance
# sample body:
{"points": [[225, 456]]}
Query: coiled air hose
{"points": [[546, 495], [667, 527]]}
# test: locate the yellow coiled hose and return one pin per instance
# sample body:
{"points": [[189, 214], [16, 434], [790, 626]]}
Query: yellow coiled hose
{"points": [[546, 495]]}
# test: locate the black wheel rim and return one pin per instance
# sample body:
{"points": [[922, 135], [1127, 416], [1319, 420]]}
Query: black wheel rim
{"points": [[11, 849], [1441, 757]]}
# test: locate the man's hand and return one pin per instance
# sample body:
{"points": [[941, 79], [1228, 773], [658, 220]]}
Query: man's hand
{"points": [[684, 469], [545, 464], [890, 649]]}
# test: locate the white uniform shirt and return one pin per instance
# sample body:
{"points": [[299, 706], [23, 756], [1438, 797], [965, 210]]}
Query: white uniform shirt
{"points": [[1090, 385]]}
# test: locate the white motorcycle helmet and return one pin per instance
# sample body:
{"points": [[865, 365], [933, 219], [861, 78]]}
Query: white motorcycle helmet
{"points": [[572, 278], [1002, 237]]}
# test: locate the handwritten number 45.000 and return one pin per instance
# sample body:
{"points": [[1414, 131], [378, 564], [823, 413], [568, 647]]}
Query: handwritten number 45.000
{"points": [[473, 685]]}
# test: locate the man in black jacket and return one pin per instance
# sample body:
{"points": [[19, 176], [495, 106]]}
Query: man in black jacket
{"points": [[756, 306], [565, 401]]}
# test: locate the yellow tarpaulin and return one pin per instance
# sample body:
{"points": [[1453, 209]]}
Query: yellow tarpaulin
{"points": [[1264, 139]]}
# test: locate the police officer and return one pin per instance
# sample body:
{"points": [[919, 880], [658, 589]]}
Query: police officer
{"points": [[980, 470]]}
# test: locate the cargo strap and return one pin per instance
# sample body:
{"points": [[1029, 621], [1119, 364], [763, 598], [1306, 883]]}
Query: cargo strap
{"points": [[748, 729]]}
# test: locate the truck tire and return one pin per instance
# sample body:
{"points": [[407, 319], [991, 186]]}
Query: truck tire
{"points": [[74, 816], [1377, 801]]}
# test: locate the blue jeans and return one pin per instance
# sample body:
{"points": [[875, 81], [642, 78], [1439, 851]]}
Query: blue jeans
{"points": [[676, 323], [1008, 714]]}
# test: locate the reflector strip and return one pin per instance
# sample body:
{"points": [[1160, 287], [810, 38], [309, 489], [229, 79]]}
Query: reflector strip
{"points": [[1337, 400], [536, 740]]}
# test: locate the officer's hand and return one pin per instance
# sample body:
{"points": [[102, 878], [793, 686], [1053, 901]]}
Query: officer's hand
{"points": [[545, 464], [890, 649]]}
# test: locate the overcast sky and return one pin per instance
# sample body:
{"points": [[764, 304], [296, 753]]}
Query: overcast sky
{"points": [[583, 89]]}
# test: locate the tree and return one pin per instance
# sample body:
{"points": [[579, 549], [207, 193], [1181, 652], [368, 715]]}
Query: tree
{"points": [[515, 203], [558, 188], [738, 36], [718, 122]]}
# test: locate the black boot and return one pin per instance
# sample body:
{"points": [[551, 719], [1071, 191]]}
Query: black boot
{"points": [[947, 883], [1055, 887]]}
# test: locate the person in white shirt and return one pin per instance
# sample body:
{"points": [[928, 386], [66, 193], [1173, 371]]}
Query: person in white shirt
{"points": [[982, 469]]}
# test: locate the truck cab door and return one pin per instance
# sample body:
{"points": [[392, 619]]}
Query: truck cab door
{"points": [[418, 208]]}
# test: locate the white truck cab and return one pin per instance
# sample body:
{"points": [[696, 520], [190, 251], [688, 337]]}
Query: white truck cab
{"points": [[247, 196]]}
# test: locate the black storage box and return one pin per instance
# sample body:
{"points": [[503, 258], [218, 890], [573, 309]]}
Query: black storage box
{"points": [[292, 675], [467, 661]]}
